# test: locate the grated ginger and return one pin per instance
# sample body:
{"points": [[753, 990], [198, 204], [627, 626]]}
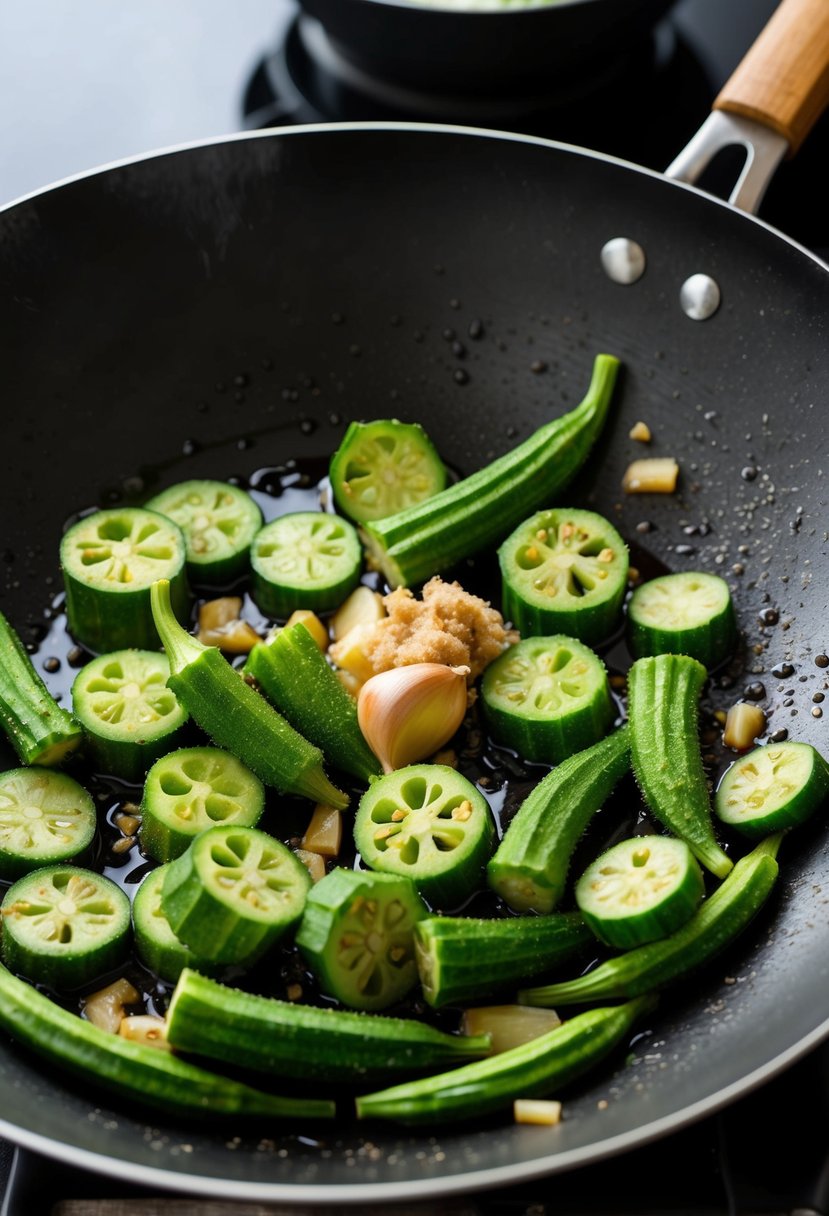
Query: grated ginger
{"points": [[448, 625]]}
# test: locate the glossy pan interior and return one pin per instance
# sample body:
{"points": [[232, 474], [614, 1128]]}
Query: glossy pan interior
{"points": [[324, 266]]}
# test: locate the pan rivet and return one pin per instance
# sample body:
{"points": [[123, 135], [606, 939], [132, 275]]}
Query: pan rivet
{"points": [[699, 297], [623, 260]]}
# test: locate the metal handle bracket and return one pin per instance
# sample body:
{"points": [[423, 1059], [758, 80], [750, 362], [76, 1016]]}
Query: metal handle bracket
{"points": [[764, 151]]}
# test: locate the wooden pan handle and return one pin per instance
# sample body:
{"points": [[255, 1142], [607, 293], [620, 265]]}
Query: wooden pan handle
{"points": [[783, 82]]}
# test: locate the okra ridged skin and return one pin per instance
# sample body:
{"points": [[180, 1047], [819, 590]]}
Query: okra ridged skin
{"points": [[663, 695], [265, 1035], [235, 716], [296, 678], [529, 867], [461, 958], [479, 511], [143, 1074], [721, 919], [534, 1070], [37, 728]]}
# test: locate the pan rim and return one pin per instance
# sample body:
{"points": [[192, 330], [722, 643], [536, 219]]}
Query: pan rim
{"points": [[365, 1192], [416, 128]]}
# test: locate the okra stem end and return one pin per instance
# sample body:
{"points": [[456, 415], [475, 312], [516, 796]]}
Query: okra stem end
{"points": [[714, 859], [182, 649]]}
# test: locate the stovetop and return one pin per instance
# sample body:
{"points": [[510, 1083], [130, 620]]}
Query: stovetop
{"points": [[81, 86]]}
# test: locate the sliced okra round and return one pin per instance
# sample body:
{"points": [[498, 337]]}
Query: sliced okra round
{"points": [[686, 613], [64, 926], [233, 894], [429, 823], [564, 571], [308, 559], [640, 890], [384, 466], [45, 818], [109, 561], [218, 520], [773, 787], [191, 790], [547, 697], [357, 934], [155, 942], [128, 714]]}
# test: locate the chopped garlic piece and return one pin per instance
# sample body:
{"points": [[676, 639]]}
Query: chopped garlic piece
{"points": [[641, 432], [350, 655], [220, 625], [509, 1026], [656, 475], [143, 1028], [363, 607], [324, 833], [535, 1110], [105, 1008], [743, 724], [314, 863]]}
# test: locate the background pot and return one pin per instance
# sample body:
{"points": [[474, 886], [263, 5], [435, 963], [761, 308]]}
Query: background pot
{"points": [[524, 50]]}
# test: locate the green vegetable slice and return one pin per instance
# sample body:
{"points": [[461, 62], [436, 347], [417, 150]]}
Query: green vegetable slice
{"points": [[640, 890], [719, 920], [191, 790], [233, 894], [663, 696], [462, 958], [476, 513], [109, 560], [128, 713], [384, 466], [547, 698], [430, 824], [305, 560], [280, 1038], [45, 818], [218, 520], [357, 935], [37, 728], [773, 787], [688, 613], [64, 926], [529, 867], [534, 1070], [133, 1070], [155, 942], [564, 571]]}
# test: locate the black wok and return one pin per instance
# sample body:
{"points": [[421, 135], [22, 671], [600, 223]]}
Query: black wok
{"points": [[270, 287]]}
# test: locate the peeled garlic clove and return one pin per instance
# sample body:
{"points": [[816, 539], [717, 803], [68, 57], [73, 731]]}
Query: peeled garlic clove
{"points": [[407, 713]]}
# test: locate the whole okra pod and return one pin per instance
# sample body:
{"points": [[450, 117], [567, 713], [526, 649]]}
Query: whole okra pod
{"points": [[480, 510], [37, 728], [235, 716], [721, 918], [663, 694], [533, 1070]]}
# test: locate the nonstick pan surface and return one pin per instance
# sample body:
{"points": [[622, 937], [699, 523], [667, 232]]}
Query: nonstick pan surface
{"points": [[271, 287]]}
